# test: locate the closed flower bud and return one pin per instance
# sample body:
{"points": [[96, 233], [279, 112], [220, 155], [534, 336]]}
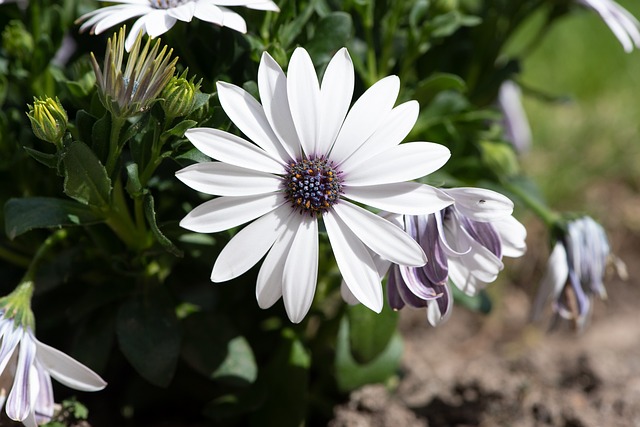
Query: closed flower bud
{"points": [[48, 119], [17, 41], [180, 95]]}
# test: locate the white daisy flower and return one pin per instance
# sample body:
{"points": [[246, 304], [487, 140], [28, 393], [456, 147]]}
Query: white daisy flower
{"points": [[622, 24], [313, 159], [26, 369], [156, 17]]}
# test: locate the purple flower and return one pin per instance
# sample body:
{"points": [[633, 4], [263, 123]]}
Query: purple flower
{"points": [[623, 24]]}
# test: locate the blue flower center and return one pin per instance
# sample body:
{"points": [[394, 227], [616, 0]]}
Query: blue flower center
{"points": [[313, 185], [167, 4]]}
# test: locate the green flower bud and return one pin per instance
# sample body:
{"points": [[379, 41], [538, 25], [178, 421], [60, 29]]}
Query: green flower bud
{"points": [[48, 119], [17, 41], [445, 6], [180, 95]]}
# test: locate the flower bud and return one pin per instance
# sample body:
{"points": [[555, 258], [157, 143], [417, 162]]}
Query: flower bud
{"points": [[180, 95], [48, 119]]}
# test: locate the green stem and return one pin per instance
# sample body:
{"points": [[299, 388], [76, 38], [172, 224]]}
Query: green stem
{"points": [[119, 219], [114, 143], [372, 65], [19, 260], [549, 217]]}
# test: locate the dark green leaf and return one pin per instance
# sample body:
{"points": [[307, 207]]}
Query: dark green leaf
{"points": [[480, 303], [213, 348], [22, 215], [47, 159], [150, 213], [286, 378], [94, 338], [370, 332], [149, 336], [100, 135], [436, 83], [134, 187], [86, 179], [351, 375], [84, 124], [332, 33]]}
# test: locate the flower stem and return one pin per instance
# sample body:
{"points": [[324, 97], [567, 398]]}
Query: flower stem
{"points": [[114, 143], [372, 66], [14, 258], [119, 219], [549, 217]]}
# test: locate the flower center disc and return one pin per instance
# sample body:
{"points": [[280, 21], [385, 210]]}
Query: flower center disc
{"points": [[313, 186], [167, 4]]}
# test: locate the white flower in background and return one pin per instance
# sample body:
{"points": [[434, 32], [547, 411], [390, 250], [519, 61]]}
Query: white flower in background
{"points": [[619, 20], [156, 17], [465, 243], [26, 369], [575, 272], [312, 159], [516, 124]]}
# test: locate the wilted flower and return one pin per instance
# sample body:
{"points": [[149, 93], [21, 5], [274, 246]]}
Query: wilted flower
{"points": [[48, 119], [465, 243], [158, 16], [623, 24], [27, 365], [575, 272], [180, 95], [516, 124], [311, 160], [132, 91]]}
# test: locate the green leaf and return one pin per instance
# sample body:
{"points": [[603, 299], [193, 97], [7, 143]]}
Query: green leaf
{"points": [[133, 186], [286, 377], [213, 348], [370, 332], [179, 129], [436, 83], [100, 135], [86, 179], [84, 124], [350, 374], [289, 31], [332, 33], [47, 159], [150, 213], [22, 215], [149, 336]]}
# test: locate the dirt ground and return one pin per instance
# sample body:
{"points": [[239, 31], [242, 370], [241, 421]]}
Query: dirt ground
{"points": [[501, 370]]}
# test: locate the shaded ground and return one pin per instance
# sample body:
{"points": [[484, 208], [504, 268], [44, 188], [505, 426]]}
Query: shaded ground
{"points": [[500, 370]]}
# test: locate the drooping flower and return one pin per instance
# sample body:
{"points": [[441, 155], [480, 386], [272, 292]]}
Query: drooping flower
{"points": [[131, 91], [575, 272], [516, 124], [156, 17], [620, 21], [314, 160], [465, 243]]}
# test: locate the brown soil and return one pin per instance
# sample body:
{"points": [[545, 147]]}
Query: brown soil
{"points": [[501, 370]]}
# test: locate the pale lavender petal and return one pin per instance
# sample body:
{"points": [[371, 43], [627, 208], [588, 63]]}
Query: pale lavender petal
{"points": [[67, 370], [483, 233], [428, 237], [393, 294], [21, 399], [417, 282], [44, 403], [480, 204], [409, 198], [553, 281], [439, 310], [347, 295]]}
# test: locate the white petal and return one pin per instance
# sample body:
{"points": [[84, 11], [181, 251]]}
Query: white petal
{"points": [[67, 370], [403, 162], [381, 236], [461, 276], [158, 22], [409, 198], [136, 28], [335, 98], [272, 84], [20, 401], [300, 273], [392, 130], [355, 263], [480, 204], [347, 295], [209, 12], [512, 236], [119, 15], [268, 5], [184, 12], [222, 179], [231, 149], [10, 339], [553, 280], [44, 405], [247, 113], [250, 244], [365, 116], [232, 20], [269, 281], [224, 213], [303, 92]]}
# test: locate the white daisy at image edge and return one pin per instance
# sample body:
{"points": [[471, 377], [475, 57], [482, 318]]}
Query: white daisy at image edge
{"points": [[156, 17], [311, 158]]}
